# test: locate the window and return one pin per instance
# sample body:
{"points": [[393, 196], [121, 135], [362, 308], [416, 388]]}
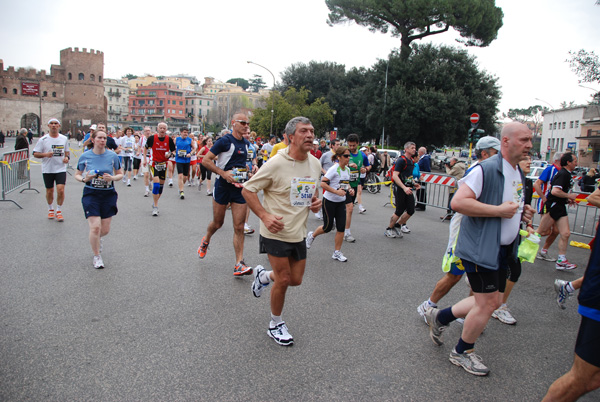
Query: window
{"points": [[54, 94], [554, 128], [141, 102], [576, 123], [180, 103], [160, 103], [186, 102], [70, 76], [81, 77], [571, 124], [152, 93], [192, 101], [99, 78], [181, 112], [110, 99], [562, 144], [45, 93], [14, 91], [133, 103], [564, 125], [4, 90], [92, 77], [207, 103], [168, 102], [151, 102]]}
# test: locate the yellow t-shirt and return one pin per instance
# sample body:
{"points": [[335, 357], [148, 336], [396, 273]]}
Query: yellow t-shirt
{"points": [[288, 186], [277, 147]]}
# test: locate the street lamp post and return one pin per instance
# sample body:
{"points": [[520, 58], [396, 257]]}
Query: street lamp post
{"points": [[272, 93], [553, 120]]}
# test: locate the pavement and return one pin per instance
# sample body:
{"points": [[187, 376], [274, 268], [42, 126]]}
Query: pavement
{"points": [[159, 324]]}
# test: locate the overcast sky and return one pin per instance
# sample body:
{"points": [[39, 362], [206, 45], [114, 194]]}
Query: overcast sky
{"points": [[216, 38]]}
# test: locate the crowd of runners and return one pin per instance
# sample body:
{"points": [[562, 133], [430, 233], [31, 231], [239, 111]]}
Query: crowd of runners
{"points": [[301, 174]]}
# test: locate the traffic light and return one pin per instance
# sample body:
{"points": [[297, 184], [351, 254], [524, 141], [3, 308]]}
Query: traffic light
{"points": [[475, 134]]}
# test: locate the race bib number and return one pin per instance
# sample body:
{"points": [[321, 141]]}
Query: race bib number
{"points": [[182, 153], [160, 166], [344, 185], [58, 150], [353, 175], [240, 175], [302, 190], [99, 182], [128, 151]]}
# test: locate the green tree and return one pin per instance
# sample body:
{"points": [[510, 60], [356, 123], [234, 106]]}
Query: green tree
{"points": [[477, 21], [430, 96], [256, 83], [532, 115], [240, 82], [586, 65], [293, 103], [130, 76], [330, 81]]}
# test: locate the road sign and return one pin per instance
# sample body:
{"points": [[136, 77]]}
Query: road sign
{"points": [[474, 118]]}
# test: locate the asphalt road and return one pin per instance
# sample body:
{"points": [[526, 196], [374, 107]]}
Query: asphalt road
{"points": [[159, 324]]}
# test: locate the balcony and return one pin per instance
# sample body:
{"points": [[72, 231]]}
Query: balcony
{"points": [[116, 94]]}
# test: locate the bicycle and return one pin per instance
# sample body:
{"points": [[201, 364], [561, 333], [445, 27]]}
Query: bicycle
{"points": [[370, 181]]}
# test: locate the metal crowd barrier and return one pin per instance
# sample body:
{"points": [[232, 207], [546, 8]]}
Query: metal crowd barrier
{"points": [[438, 189], [583, 217], [15, 173]]}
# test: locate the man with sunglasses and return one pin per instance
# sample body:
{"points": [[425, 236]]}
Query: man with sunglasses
{"points": [[230, 153]]}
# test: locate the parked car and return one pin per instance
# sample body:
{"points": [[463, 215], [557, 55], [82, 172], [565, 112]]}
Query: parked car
{"points": [[393, 153], [535, 172], [539, 163]]}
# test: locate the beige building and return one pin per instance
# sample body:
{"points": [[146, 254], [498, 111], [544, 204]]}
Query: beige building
{"points": [[117, 94], [589, 141], [141, 82]]}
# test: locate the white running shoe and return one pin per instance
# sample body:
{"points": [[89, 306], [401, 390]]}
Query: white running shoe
{"points": [[146, 193], [398, 232], [128, 183], [170, 183], [309, 239], [280, 334], [405, 229], [247, 229], [337, 255], [471, 362], [98, 263], [154, 211], [349, 238], [257, 285], [361, 209], [503, 314], [423, 308], [390, 233]]}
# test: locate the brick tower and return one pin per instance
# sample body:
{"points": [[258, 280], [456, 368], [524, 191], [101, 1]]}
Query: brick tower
{"points": [[84, 88]]}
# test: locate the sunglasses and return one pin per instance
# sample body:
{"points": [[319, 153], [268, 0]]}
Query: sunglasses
{"points": [[346, 156], [242, 122]]}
